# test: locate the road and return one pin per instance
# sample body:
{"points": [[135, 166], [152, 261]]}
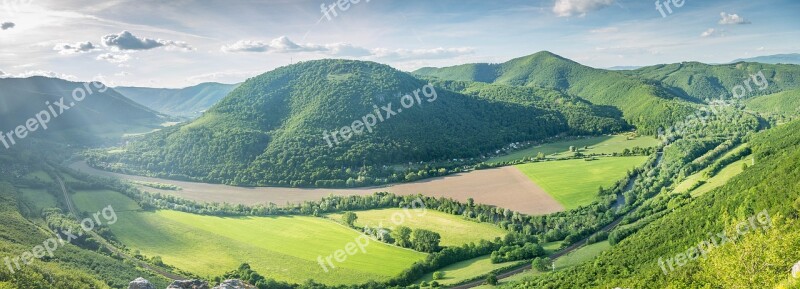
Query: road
{"points": [[110, 247], [571, 248]]}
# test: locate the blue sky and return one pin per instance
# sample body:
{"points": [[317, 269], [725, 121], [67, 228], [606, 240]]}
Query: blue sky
{"points": [[185, 42]]}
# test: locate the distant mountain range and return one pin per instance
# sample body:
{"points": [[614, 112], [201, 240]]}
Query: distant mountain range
{"points": [[792, 58], [102, 114], [187, 102], [645, 104], [278, 128]]}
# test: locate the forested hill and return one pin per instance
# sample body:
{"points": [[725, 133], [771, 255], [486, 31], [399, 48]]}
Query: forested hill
{"points": [[99, 113], [272, 129], [760, 258], [644, 103], [184, 102], [705, 81]]}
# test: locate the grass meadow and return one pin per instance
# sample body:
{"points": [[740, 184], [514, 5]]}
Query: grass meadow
{"points": [[284, 248], [466, 270], [597, 145], [455, 231], [574, 183]]}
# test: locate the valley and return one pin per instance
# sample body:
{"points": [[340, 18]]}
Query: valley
{"points": [[399, 145], [505, 187]]}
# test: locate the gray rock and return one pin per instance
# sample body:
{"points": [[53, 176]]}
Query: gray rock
{"points": [[141, 283], [796, 271], [189, 284]]}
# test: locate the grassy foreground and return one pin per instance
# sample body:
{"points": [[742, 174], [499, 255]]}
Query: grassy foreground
{"points": [[574, 183], [284, 248], [455, 231]]}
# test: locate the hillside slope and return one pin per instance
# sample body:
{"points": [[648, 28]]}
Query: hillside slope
{"points": [[102, 114], [760, 259], [643, 103], [75, 264], [185, 102], [276, 129], [781, 103], [705, 81]]}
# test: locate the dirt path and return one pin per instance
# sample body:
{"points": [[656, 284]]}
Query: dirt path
{"points": [[505, 187]]}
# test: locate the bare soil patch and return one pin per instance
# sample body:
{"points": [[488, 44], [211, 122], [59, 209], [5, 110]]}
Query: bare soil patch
{"points": [[505, 187]]}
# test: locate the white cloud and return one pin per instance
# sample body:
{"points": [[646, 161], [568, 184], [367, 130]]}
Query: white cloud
{"points": [[285, 45], [564, 8], [710, 32], [114, 58], [732, 19], [125, 40], [121, 74], [66, 48]]}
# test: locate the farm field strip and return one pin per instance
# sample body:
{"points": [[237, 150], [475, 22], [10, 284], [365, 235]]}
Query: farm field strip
{"points": [[576, 182], [466, 270], [572, 259], [284, 248], [597, 145], [505, 187], [455, 231]]}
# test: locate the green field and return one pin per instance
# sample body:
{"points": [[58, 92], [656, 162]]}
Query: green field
{"points": [[575, 258], [722, 177], [597, 145], [39, 175], [454, 230], [284, 248], [574, 183], [466, 270], [38, 199], [717, 180]]}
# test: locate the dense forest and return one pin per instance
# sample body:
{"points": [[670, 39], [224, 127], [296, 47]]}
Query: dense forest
{"points": [[646, 104], [274, 129], [270, 130]]}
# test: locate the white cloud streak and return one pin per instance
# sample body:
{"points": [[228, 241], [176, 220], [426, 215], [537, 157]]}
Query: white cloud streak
{"points": [[566, 8], [285, 45]]}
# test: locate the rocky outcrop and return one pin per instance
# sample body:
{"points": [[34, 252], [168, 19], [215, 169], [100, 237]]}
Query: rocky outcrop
{"points": [[234, 284], [140, 283], [189, 284]]}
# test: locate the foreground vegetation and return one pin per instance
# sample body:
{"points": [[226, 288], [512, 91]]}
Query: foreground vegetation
{"points": [[759, 259]]}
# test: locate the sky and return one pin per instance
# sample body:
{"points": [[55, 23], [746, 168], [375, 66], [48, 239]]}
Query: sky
{"points": [[180, 43]]}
